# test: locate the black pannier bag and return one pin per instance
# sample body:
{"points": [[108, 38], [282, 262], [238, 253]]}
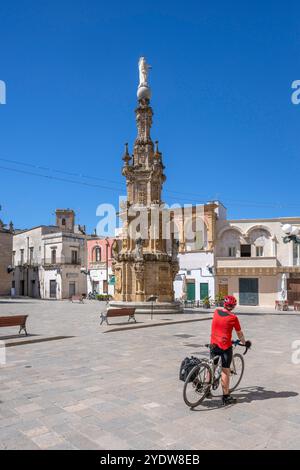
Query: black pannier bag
{"points": [[186, 366]]}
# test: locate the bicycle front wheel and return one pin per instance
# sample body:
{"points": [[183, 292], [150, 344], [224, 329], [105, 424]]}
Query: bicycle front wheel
{"points": [[236, 371], [197, 385]]}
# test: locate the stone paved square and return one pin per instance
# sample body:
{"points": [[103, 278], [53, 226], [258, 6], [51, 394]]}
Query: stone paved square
{"points": [[117, 387]]}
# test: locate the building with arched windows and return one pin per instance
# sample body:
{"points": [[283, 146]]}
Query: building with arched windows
{"points": [[253, 263]]}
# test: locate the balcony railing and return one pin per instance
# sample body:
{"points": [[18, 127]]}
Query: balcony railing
{"points": [[97, 264], [28, 264], [245, 262], [61, 260]]}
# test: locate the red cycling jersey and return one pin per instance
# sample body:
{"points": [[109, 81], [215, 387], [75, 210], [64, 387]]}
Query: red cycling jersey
{"points": [[222, 325]]}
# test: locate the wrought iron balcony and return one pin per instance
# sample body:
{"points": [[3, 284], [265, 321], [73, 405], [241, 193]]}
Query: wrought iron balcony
{"points": [[26, 264], [61, 260]]}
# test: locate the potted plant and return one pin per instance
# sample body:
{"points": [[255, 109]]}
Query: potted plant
{"points": [[206, 302], [219, 300], [103, 297]]}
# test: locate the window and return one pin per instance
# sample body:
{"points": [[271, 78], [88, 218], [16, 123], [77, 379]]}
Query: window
{"points": [[296, 254], [22, 256], [199, 240], [53, 256], [259, 251], [63, 221], [97, 254], [31, 255], [74, 256], [245, 251], [232, 251], [13, 258]]}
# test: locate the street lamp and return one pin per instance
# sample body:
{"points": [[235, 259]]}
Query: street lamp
{"points": [[291, 233], [152, 299], [85, 271]]}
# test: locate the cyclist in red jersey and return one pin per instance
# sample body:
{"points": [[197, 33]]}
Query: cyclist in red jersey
{"points": [[224, 321]]}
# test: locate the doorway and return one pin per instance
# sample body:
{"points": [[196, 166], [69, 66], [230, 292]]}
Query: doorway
{"points": [[72, 289], [248, 288], [293, 291], [22, 287], [52, 289], [223, 290], [203, 290], [95, 287], [245, 251], [191, 290]]}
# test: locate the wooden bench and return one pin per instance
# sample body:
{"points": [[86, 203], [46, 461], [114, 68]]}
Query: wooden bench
{"points": [[15, 320], [79, 298], [118, 312]]}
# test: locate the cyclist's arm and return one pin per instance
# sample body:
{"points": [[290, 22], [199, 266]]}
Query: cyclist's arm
{"points": [[241, 336]]}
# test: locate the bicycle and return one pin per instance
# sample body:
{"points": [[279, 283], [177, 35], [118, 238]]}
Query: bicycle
{"points": [[92, 295], [207, 375]]}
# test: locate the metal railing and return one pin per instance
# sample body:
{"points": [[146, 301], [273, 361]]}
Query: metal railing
{"points": [[61, 260]]}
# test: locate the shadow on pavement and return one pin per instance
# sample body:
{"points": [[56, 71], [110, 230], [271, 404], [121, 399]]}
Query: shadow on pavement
{"points": [[248, 394], [244, 395], [21, 336], [123, 324]]}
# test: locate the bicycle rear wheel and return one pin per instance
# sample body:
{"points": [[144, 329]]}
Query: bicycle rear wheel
{"points": [[236, 371], [197, 385]]}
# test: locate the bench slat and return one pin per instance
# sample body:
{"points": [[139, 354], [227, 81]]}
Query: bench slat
{"points": [[13, 320], [118, 312]]}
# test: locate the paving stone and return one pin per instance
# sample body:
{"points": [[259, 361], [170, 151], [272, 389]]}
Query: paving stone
{"points": [[120, 390], [36, 431], [47, 440]]}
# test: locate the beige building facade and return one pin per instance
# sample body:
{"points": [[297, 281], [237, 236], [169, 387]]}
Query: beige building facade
{"points": [[253, 263], [6, 241]]}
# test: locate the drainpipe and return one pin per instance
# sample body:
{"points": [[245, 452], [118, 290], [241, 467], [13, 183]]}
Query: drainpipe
{"points": [[106, 262]]}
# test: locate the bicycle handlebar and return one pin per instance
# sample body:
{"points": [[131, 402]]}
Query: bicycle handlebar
{"points": [[235, 343], [238, 343]]}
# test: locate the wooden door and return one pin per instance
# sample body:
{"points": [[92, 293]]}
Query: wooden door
{"points": [[191, 290], [293, 291], [223, 289], [203, 290]]}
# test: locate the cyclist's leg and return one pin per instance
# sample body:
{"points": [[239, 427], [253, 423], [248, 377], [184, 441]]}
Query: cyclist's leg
{"points": [[226, 361], [225, 380]]}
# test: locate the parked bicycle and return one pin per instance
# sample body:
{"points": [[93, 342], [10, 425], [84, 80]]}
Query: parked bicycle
{"points": [[92, 295], [206, 375]]}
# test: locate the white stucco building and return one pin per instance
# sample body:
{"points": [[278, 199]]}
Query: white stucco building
{"points": [[196, 233], [48, 260]]}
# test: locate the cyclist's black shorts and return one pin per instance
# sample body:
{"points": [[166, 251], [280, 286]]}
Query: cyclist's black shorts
{"points": [[226, 355]]}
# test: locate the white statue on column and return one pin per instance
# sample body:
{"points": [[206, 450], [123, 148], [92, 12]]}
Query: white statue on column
{"points": [[143, 71]]}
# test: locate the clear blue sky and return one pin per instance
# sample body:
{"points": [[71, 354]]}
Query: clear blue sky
{"points": [[221, 87]]}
